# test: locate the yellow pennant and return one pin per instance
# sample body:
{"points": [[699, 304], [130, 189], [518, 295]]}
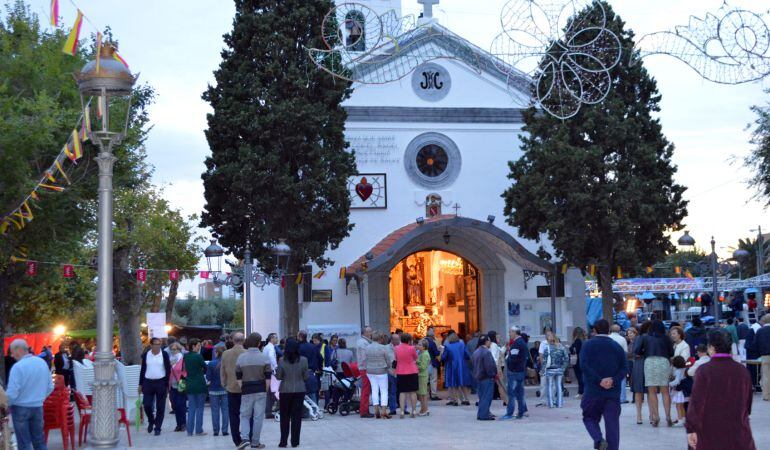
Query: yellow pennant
{"points": [[61, 171], [33, 195], [53, 188], [620, 273], [319, 274], [50, 177], [19, 224], [71, 44], [592, 270], [87, 119], [4, 226], [98, 52], [77, 148], [563, 269], [299, 279], [678, 270], [28, 215], [649, 269], [343, 272]]}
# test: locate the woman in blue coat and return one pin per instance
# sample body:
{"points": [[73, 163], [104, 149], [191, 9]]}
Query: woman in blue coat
{"points": [[456, 370]]}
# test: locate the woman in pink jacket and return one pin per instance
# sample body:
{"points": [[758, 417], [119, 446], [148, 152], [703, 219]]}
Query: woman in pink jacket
{"points": [[406, 373]]}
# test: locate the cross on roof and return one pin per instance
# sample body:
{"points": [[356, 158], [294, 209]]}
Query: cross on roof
{"points": [[456, 208], [427, 7]]}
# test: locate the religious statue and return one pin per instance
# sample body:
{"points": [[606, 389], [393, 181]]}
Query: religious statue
{"points": [[414, 289], [425, 321]]}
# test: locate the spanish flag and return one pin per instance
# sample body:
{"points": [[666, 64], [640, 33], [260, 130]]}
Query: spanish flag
{"points": [[55, 13], [119, 59], [77, 148], [98, 52], [320, 274], [343, 272], [299, 278], [71, 45], [53, 188]]}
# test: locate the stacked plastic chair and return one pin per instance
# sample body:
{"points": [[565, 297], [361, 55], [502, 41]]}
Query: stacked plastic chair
{"points": [[84, 410], [59, 413]]}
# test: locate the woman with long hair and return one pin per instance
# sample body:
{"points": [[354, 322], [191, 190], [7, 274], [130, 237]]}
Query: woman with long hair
{"points": [[578, 336], [196, 388], [292, 371], [657, 349], [636, 369]]}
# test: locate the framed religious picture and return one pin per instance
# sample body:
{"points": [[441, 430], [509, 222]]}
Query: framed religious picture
{"points": [[368, 191], [451, 299]]}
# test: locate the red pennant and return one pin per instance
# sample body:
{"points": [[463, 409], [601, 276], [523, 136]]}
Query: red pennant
{"points": [[283, 282], [68, 271], [141, 275], [173, 275], [204, 274], [32, 268]]}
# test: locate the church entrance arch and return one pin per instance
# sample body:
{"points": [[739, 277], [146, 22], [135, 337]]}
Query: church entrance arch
{"points": [[434, 288]]}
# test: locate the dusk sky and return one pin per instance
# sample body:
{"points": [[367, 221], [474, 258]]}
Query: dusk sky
{"points": [[175, 45]]}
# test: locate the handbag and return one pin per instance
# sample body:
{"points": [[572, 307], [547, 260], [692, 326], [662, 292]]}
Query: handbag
{"points": [[573, 360], [181, 386]]}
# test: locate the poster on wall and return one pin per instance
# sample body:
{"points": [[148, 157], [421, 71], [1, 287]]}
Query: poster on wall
{"points": [[156, 325], [368, 191], [321, 295]]}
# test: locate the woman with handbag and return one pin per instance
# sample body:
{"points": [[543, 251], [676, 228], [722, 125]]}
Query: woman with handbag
{"points": [[177, 394], [195, 388], [578, 336]]}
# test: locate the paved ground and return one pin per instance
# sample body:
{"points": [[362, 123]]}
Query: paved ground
{"points": [[451, 428]]}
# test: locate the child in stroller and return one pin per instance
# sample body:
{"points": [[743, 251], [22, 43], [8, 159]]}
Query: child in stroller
{"points": [[344, 390]]}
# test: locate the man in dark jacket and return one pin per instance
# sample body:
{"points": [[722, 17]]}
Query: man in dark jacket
{"points": [[516, 370], [695, 335], [484, 372], [762, 347], [310, 351], [435, 364], [153, 384], [603, 364], [62, 365]]}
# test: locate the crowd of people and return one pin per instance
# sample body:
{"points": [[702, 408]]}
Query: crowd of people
{"points": [[247, 379]]}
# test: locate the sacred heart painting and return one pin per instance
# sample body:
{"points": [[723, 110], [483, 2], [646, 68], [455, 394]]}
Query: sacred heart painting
{"points": [[368, 191]]}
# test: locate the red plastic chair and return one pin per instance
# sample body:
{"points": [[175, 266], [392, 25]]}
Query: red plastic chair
{"points": [[84, 410], [124, 420], [59, 413]]}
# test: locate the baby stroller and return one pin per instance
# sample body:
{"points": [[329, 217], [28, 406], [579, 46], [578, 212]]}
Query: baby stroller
{"points": [[312, 411], [344, 391]]}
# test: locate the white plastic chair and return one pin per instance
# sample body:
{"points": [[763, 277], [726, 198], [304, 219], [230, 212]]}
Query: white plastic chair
{"points": [[128, 379], [84, 378]]}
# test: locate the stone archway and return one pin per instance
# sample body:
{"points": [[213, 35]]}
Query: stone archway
{"points": [[480, 243]]}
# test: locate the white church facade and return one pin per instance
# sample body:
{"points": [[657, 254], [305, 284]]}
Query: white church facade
{"points": [[430, 245]]}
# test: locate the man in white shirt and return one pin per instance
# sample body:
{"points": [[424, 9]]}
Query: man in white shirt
{"points": [[269, 350], [153, 384], [621, 341]]}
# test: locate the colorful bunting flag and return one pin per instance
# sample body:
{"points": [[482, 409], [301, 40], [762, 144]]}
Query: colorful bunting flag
{"points": [[99, 108], [298, 280], [204, 274], [283, 282], [563, 269], [53, 188], [49, 176], [592, 270], [649, 269], [68, 271], [71, 45], [32, 268], [141, 275], [61, 171], [688, 274], [87, 119], [173, 275], [4, 227], [55, 13], [119, 59], [319, 274], [98, 52], [76, 147], [33, 195], [343, 272], [620, 273], [678, 270]]}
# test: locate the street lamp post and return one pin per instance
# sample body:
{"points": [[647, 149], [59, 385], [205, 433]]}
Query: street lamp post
{"points": [[714, 286], [110, 80], [282, 254], [554, 281]]}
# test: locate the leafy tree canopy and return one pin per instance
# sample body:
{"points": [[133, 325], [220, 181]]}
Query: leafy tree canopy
{"points": [[759, 158]]}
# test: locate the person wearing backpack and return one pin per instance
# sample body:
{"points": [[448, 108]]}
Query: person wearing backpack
{"points": [[516, 367], [556, 361]]}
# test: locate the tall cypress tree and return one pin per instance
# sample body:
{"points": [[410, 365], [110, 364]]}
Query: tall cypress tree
{"points": [[279, 165], [600, 184]]}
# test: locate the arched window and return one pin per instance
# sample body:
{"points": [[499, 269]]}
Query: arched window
{"points": [[355, 24]]}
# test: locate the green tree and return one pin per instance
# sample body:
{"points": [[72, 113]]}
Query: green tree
{"points": [[39, 107], [696, 261], [600, 184], [759, 158], [749, 264], [279, 165], [148, 234]]}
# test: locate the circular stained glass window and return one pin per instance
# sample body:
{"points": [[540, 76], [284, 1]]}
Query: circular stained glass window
{"points": [[432, 160]]}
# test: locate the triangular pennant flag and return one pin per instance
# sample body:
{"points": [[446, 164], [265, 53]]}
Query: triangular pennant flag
{"points": [[87, 119], [299, 278], [27, 211], [173, 275], [19, 225], [68, 271], [204, 274], [32, 268], [23, 250], [563, 269], [71, 45], [620, 273], [283, 282], [141, 275], [688, 274], [49, 176], [53, 188], [343, 272], [55, 13], [650, 269], [99, 107], [34, 195], [677, 270], [319, 274], [4, 227], [592, 270], [61, 171]]}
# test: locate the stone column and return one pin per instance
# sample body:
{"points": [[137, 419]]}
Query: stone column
{"points": [[493, 307]]}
